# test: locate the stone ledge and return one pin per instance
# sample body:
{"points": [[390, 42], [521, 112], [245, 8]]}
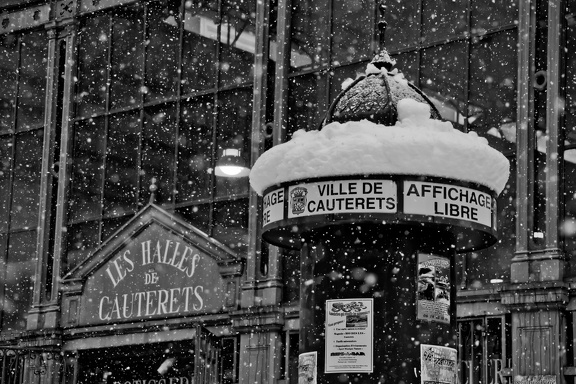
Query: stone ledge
{"points": [[535, 296]]}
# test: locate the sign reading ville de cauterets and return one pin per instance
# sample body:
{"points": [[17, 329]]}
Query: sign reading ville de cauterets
{"points": [[378, 196], [157, 274]]}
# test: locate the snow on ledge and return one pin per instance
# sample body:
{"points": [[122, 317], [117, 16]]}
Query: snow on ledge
{"points": [[416, 145]]}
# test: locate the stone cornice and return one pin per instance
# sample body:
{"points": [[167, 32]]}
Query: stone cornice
{"points": [[535, 296]]}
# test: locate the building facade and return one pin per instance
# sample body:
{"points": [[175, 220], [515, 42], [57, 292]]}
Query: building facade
{"points": [[124, 255]]}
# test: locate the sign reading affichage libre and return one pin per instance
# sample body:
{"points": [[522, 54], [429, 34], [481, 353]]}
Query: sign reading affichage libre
{"points": [[449, 201], [349, 335]]}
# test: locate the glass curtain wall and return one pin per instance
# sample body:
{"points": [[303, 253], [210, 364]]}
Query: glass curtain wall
{"points": [[23, 66], [163, 88], [568, 223], [463, 55]]}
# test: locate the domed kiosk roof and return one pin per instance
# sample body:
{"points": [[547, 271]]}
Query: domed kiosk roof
{"points": [[375, 95]]}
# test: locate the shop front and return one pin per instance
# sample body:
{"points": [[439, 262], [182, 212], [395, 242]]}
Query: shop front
{"points": [[150, 305]]}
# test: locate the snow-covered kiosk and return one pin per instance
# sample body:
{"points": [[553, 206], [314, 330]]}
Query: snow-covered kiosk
{"points": [[380, 200]]}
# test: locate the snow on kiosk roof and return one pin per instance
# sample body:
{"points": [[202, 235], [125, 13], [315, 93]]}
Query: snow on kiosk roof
{"points": [[382, 127]]}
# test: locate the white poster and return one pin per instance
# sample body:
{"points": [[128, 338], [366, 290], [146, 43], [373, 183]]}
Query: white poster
{"points": [[438, 364], [434, 286], [349, 335], [307, 368]]}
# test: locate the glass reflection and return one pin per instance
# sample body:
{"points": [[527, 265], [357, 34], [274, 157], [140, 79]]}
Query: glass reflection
{"points": [[199, 47], [121, 177], [443, 80], [238, 41], [93, 65], [234, 132], [87, 170], [8, 68], [126, 58], [158, 148], [18, 280], [162, 50], [195, 150], [32, 84], [26, 180], [350, 42], [444, 18], [310, 34]]}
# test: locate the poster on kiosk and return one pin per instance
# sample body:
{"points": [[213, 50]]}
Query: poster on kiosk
{"points": [[349, 335]]}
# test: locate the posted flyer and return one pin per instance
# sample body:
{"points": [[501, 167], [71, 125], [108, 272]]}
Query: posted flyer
{"points": [[349, 335], [438, 364], [307, 368], [433, 288]]}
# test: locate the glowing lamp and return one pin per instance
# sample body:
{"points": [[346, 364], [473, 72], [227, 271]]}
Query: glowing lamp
{"points": [[231, 164]]}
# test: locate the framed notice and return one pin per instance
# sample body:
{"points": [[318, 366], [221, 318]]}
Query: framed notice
{"points": [[349, 335], [434, 287], [438, 364]]}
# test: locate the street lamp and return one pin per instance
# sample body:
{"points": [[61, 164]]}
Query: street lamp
{"points": [[231, 164]]}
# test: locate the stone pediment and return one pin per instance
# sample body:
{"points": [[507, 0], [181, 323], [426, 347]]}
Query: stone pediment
{"points": [[156, 266]]}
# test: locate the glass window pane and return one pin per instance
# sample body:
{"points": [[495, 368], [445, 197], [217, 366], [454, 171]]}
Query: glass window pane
{"points": [[234, 128], [238, 41], [443, 18], [197, 215], [87, 170], [443, 79], [352, 40], [488, 14], [199, 47], [568, 225], [231, 224], [341, 75], [162, 50], [5, 185], [93, 50], [493, 63], [482, 267], [570, 112], [407, 63], [126, 60], [121, 179], [26, 182], [82, 239], [403, 18], [110, 226], [307, 102], [9, 65], [310, 34], [19, 280], [158, 152], [32, 84], [195, 150]]}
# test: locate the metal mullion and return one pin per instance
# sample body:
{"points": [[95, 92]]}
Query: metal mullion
{"points": [[143, 58], [15, 123], [106, 125], [215, 121], [178, 102], [467, 91], [484, 349], [282, 71], [11, 176], [555, 59]]}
